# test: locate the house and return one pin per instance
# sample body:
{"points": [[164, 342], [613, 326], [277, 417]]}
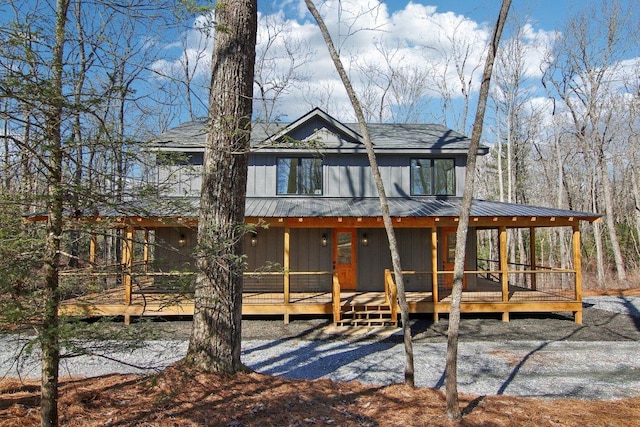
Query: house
{"points": [[320, 246]]}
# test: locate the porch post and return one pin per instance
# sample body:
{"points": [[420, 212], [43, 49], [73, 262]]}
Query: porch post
{"points": [[434, 271], [532, 254], [504, 267], [577, 266], [287, 252], [92, 248], [127, 264], [145, 251]]}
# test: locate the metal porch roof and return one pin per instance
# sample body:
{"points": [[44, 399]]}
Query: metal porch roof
{"points": [[313, 207], [328, 207]]}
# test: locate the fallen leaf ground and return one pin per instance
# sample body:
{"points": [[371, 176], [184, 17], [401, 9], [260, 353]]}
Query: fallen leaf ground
{"points": [[181, 397]]}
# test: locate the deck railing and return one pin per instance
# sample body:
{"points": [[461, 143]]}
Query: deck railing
{"points": [[259, 287], [552, 281], [286, 287], [550, 284]]}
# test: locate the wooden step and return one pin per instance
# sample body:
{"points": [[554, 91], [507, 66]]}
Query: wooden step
{"points": [[367, 322], [366, 315]]}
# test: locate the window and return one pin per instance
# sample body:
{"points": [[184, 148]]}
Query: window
{"points": [[174, 158], [299, 175], [433, 177]]}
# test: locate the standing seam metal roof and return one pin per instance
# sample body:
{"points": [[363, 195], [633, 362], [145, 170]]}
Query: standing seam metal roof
{"points": [[303, 207], [325, 207]]}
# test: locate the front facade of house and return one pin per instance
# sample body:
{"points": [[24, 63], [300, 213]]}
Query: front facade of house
{"points": [[320, 246]]}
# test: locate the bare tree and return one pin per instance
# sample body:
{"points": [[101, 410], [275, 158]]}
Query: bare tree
{"points": [[409, 373], [49, 80], [395, 89], [459, 62], [216, 333], [281, 63], [584, 73], [451, 376], [53, 122]]}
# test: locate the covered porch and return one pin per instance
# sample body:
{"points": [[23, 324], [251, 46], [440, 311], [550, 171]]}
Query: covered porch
{"points": [[285, 288]]}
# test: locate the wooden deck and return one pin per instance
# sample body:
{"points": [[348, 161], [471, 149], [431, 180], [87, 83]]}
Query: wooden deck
{"points": [[487, 299]]}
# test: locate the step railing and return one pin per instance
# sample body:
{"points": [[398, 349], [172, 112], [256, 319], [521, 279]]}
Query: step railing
{"points": [[391, 294], [335, 298]]}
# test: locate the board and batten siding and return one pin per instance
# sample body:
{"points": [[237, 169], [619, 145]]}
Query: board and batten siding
{"points": [[344, 175], [169, 253], [373, 259]]}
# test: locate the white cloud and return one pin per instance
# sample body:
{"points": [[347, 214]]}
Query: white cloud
{"points": [[417, 37]]}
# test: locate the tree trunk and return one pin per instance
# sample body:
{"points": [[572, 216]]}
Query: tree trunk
{"points": [[215, 340], [611, 226], [409, 373], [50, 342], [451, 375], [636, 199], [597, 233], [559, 203]]}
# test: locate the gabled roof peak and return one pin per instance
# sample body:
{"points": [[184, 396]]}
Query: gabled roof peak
{"points": [[310, 124], [317, 130]]}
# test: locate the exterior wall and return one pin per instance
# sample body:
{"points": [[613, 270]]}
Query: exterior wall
{"points": [[344, 175], [308, 254], [169, 253], [373, 259], [268, 253]]}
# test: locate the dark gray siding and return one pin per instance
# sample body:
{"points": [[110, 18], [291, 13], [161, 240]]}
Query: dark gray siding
{"points": [[415, 254], [373, 260], [344, 175], [307, 252], [169, 254], [268, 253]]}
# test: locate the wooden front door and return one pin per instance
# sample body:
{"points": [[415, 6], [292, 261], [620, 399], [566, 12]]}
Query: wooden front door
{"points": [[449, 256], [344, 258]]}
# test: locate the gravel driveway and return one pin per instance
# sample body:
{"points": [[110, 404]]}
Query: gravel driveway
{"points": [[544, 356]]}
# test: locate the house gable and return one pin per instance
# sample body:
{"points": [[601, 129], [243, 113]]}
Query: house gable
{"points": [[314, 130]]}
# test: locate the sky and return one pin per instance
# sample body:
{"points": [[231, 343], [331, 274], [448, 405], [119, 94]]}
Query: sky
{"points": [[418, 36], [420, 42]]}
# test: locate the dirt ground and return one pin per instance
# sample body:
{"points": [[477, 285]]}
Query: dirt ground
{"points": [[181, 397]]}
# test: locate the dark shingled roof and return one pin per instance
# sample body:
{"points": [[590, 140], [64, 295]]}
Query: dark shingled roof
{"points": [[385, 136]]}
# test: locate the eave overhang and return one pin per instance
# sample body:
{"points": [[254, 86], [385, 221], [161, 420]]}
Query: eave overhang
{"points": [[324, 212]]}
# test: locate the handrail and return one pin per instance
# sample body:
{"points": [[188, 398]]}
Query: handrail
{"points": [[538, 267], [291, 273], [391, 294]]}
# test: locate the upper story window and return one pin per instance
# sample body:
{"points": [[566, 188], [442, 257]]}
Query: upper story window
{"points": [[176, 158], [433, 177], [299, 175]]}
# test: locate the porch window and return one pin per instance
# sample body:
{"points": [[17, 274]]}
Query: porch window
{"points": [[433, 177], [299, 175]]}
